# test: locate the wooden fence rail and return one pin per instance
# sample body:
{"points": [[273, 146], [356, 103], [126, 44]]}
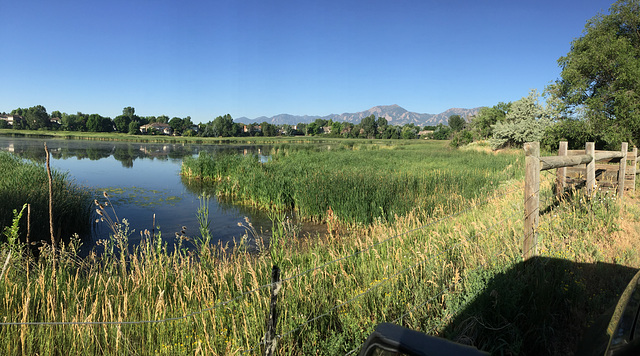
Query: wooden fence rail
{"points": [[535, 164]]}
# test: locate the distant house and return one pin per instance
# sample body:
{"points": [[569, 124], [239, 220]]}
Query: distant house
{"points": [[55, 120], [249, 128], [158, 126], [425, 133], [10, 119]]}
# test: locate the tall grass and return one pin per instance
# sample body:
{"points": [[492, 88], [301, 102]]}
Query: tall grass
{"points": [[357, 183], [27, 182], [417, 271], [336, 289]]}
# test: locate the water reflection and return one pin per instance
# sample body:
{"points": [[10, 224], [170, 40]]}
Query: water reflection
{"points": [[124, 152], [143, 182]]}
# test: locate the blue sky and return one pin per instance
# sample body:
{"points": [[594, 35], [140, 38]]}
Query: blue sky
{"points": [[250, 58]]}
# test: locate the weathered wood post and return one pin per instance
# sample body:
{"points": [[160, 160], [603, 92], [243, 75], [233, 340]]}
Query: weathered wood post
{"points": [[270, 341], [634, 162], [561, 173], [590, 149], [531, 199], [622, 172]]}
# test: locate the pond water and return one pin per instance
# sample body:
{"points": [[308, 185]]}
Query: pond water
{"points": [[144, 185]]}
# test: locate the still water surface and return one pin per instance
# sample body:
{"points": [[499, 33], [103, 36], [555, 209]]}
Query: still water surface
{"points": [[142, 179]]}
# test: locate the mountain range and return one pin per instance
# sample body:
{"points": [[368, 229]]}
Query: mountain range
{"points": [[395, 115]]}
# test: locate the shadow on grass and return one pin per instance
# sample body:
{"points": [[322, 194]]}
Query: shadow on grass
{"points": [[544, 306]]}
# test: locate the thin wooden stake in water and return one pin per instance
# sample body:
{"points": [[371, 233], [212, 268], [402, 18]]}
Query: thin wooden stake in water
{"points": [[270, 341], [53, 239]]}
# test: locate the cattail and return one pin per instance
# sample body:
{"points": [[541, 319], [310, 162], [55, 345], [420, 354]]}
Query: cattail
{"points": [[105, 194], [99, 212]]}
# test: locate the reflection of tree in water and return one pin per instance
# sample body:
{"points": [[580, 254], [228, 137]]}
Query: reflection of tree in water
{"points": [[124, 152], [123, 155], [33, 153], [95, 154]]}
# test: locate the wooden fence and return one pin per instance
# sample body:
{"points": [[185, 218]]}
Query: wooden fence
{"points": [[610, 176]]}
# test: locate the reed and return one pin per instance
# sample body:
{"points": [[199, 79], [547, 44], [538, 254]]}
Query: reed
{"points": [[360, 182], [27, 182]]}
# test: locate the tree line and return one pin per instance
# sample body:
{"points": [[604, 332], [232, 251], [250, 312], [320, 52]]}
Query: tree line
{"points": [[371, 127]]}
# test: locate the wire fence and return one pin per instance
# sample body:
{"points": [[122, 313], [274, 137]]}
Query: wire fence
{"points": [[515, 213]]}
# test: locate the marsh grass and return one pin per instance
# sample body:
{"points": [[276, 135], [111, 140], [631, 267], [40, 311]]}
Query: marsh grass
{"points": [[357, 182], [26, 182], [423, 272]]}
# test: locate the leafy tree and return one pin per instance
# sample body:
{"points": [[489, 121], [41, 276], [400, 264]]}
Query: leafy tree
{"points": [[222, 126], [187, 124], [392, 132], [134, 128], [268, 129], [301, 128], [74, 122], [382, 124], [526, 121], [163, 119], [461, 138], [36, 117], [336, 128], [347, 129], [313, 129], [441, 132], [487, 117], [600, 76], [456, 123], [122, 123], [128, 112], [410, 131], [97, 123], [177, 125], [4, 124], [370, 126]]}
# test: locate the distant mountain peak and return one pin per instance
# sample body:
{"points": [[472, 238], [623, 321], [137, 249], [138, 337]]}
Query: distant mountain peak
{"points": [[395, 115]]}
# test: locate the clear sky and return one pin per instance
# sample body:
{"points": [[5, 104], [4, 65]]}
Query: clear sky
{"points": [[260, 57]]}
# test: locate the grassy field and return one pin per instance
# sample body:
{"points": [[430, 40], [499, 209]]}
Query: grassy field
{"points": [[457, 275]]}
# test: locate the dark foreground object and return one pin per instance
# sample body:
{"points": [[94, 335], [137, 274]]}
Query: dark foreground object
{"points": [[391, 339], [617, 332]]}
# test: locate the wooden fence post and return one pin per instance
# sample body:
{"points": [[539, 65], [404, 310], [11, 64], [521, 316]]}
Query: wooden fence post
{"points": [[590, 149], [634, 162], [622, 172], [531, 199], [270, 340], [561, 173]]}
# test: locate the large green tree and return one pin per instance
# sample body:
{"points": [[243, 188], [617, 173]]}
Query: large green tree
{"points": [[600, 78], [526, 121], [97, 123], [456, 122], [486, 117], [36, 117], [370, 126]]}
